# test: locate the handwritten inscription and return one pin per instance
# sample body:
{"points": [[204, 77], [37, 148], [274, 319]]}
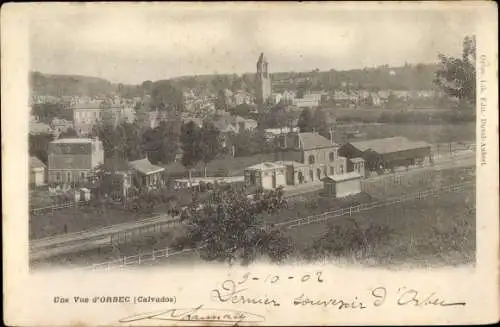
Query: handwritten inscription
{"points": [[273, 279], [199, 313], [229, 292], [340, 304], [408, 296]]}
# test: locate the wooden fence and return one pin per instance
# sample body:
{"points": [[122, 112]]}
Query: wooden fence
{"points": [[137, 259], [164, 253], [67, 204], [369, 206]]}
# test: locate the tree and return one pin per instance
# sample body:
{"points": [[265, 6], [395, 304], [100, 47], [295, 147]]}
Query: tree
{"points": [[161, 143], [191, 148], [229, 227], [347, 239], [243, 110], [209, 144], [164, 93], [306, 123], [105, 132], [322, 122], [70, 132], [221, 101], [457, 76], [38, 145]]}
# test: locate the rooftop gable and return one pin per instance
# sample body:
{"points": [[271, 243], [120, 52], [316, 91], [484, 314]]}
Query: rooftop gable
{"points": [[389, 145], [309, 141], [145, 167]]}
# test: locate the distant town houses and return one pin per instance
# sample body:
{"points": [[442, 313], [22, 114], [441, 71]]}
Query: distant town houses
{"points": [[155, 117], [243, 97], [271, 133], [60, 125], [234, 124], [86, 115]]}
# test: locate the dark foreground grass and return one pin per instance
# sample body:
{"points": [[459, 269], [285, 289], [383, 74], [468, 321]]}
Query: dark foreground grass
{"points": [[436, 231], [86, 217], [110, 253]]}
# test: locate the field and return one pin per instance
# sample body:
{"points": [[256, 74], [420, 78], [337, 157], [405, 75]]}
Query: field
{"points": [[434, 231], [77, 219], [108, 253], [430, 133], [437, 230]]}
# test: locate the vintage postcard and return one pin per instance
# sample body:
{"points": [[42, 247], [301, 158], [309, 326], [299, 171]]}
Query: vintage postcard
{"points": [[250, 163]]}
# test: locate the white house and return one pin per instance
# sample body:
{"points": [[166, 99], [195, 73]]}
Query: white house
{"points": [[268, 175]]}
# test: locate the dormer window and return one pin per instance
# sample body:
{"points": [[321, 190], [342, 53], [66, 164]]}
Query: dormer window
{"points": [[312, 160]]}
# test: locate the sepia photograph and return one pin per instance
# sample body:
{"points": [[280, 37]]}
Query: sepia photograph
{"points": [[181, 136], [139, 156]]}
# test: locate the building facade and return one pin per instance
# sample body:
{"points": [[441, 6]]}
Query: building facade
{"points": [[71, 160], [340, 186], [311, 156], [268, 175], [37, 171], [263, 81]]}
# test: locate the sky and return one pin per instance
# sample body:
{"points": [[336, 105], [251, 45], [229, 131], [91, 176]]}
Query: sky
{"points": [[133, 43]]}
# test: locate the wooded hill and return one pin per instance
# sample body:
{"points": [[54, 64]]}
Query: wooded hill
{"points": [[408, 77]]}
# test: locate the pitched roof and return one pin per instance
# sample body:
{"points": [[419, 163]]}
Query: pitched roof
{"points": [[343, 177], [116, 164], [36, 163], [265, 166], [72, 140], [311, 141], [145, 167], [293, 163], [389, 145]]}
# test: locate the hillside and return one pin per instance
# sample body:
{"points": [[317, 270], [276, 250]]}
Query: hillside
{"points": [[68, 85], [408, 77]]}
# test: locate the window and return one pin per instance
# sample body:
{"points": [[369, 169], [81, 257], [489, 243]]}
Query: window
{"points": [[58, 176], [332, 156], [82, 175], [332, 171], [69, 176], [311, 159], [341, 169]]}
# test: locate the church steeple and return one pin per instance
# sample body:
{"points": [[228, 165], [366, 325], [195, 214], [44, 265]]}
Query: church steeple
{"points": [[263, 80]]}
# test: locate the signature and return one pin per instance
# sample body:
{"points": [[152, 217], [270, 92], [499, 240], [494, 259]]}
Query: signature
{"points": [[198, 313]]}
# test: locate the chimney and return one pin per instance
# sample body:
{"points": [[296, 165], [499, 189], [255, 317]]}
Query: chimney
{"points": [[331, 135]]}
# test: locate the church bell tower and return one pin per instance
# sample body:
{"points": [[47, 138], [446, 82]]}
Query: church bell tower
{"points": [[263, 80]]}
